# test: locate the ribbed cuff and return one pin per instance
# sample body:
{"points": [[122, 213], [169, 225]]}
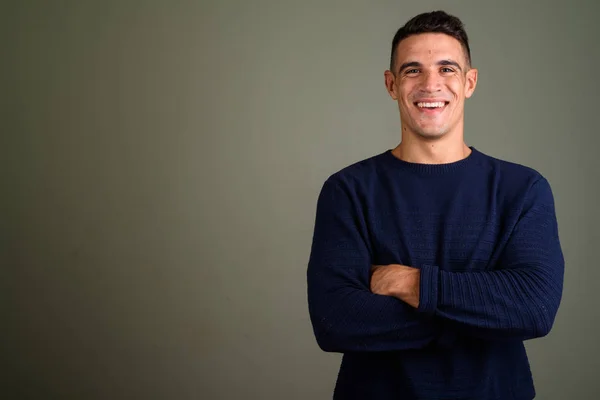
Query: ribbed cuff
{"points": [[428, 289]]}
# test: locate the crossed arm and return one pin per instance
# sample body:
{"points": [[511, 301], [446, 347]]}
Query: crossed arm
{"points": [[356, 307]]}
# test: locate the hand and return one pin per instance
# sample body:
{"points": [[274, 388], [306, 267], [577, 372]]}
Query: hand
{"points": [[396, 280]]}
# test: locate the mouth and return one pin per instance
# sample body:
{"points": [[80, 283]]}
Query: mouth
{"points": [[431, 107]]}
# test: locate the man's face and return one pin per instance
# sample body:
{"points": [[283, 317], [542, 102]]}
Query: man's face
{"points": [[431, 81]]}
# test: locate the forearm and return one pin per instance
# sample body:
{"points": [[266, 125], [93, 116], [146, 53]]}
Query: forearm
{"points": [[347, 319], [515, 303]]}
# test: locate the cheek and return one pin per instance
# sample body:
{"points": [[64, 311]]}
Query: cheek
{"points": [[456, 86], [404, 90], [405, 99]]}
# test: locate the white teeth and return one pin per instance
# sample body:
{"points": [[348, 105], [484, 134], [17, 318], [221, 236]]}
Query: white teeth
{"points": [[432, 105]]}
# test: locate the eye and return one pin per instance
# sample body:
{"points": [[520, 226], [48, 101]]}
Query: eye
{"points": [[411, 71], [446, 69]]}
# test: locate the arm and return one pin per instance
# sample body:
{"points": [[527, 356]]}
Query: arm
{"points": [[519, 299], [346, 316]]}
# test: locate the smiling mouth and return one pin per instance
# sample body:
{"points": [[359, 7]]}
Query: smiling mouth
{"points": [[431, 106]]}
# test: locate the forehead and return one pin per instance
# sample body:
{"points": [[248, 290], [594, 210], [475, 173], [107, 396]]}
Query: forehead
{"points": [[430, 47]]}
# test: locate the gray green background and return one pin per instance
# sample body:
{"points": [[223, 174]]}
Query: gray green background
{"points": [[161, 163]]}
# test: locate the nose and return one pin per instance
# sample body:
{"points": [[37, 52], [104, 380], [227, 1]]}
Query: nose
{"points": [[431, 82]]}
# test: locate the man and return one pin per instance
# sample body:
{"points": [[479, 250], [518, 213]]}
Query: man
{"points": [[432, 263]]}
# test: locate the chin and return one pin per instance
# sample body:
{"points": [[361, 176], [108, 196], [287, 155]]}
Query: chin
{"points": [[431, 133]]}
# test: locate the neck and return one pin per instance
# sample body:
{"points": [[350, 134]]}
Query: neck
{"points": [[439, 151], [431, 152]]}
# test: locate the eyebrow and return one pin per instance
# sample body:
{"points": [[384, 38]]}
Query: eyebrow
{"points": [[441, 62]]}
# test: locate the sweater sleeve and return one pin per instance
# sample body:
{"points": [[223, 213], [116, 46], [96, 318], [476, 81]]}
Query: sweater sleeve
{"points": [[346, 316], [520, 298]]}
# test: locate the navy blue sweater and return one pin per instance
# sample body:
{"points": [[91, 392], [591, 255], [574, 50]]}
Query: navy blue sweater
{"points": [[483, 233]]}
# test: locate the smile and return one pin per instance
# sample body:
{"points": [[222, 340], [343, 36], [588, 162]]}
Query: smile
{"points": [[431, 107]]}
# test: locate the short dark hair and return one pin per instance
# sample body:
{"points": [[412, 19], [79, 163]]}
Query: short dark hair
{"points": [[432, 22]]}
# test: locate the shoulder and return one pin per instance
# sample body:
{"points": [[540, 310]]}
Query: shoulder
{"points": [[352, 184], [509, 168], [510, 173], [357, 173], [516, 180]]}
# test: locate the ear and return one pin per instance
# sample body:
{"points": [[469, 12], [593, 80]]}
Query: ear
{"points": [[390, 84], [470, 82]]}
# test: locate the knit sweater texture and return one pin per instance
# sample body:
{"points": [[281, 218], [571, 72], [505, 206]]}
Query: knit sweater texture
{"points": [[484, 234]]}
